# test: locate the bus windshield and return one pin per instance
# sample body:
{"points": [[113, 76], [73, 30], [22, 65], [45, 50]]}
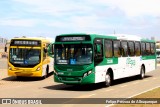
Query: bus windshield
{"points": [[73, 54], [20, 57]]}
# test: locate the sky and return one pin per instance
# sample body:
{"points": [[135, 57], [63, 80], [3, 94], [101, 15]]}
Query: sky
{"points": [[48, 18]]}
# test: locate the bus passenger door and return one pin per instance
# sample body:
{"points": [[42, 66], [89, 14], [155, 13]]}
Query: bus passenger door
{"points": [[98, 55], [98, 58]]}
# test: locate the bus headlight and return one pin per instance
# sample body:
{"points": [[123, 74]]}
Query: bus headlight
{"points": [[85, 74], [89, 72], [38, 68], [9, 67]]}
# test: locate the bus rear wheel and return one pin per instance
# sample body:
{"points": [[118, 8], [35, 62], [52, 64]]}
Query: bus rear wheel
{"points": [[108, 80]]}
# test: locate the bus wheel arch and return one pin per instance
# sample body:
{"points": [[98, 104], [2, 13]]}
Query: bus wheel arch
{"points": [[108, 77], [142, 71]]}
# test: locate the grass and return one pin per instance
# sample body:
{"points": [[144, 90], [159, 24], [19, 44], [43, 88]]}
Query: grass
{"points": [[155, 93]]}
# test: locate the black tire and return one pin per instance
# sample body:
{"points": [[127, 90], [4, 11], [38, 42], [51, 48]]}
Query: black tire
{"points": [[108, 80], [47, 72], [19, 77], [142, 73]]}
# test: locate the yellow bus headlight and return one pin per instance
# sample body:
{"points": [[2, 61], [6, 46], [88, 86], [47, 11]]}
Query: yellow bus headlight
{"points": [[9, 67], [38, 69]]}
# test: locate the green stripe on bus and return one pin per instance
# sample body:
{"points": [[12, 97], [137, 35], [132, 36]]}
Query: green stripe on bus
{"points": [[109, 61], [148, 57], [147, 40]]}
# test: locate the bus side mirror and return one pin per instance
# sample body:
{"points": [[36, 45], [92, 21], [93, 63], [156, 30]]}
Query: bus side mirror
{"points": [[45, 50], [5, 49], [50, 50]]}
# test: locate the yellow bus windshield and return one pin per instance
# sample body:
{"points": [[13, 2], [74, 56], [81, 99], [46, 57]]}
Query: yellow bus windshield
{"points": [[20, 57]]}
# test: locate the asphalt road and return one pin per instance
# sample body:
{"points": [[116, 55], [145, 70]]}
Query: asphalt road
{"points": [[10, 87]]}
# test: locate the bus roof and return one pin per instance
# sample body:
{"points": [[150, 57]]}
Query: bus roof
{"points": [[92, 36], [112, 36]]}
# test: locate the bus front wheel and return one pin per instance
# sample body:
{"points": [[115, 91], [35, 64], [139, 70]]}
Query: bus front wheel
{"points": [[19, 77], [108, 80], [47, 72], [142, 73]]}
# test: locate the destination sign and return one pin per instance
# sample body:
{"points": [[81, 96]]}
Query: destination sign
{"points": [[25, 42], [71, 38]]}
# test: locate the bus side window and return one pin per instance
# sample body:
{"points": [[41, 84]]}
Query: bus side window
{"points": [[131, 50], [117, 48], [124, 48], [152, 48], [137, 49], [108, 48], [143, 48], [148, 51]]}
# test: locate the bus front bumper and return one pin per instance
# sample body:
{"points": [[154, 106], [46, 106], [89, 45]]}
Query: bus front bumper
{"points": [[75, 80], [25, 73]]}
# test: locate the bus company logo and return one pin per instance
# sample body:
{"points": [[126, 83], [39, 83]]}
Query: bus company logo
{"points": [[21, 101], [130, 62], [109, 61], [70, 70], [6, 101]]}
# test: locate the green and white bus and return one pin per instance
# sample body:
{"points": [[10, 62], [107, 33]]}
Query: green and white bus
{"points": [[93, 58]]}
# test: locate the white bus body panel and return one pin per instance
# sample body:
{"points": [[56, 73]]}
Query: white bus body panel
{"points": [[126, 67], [50, 64]]}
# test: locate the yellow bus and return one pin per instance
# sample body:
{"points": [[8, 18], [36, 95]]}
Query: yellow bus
{"points": [[28, 57]]}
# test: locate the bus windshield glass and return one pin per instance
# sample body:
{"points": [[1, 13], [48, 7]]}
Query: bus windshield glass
{"points": [[73, 54], [20, 57]]}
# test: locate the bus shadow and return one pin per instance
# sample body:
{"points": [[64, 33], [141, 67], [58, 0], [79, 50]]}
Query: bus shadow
{"points": [[64, 87], [91, 87], [128, 79], [26, 79]]}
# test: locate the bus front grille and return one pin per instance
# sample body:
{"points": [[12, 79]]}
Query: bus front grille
{"points": [[70, 78], [73, 68]]}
